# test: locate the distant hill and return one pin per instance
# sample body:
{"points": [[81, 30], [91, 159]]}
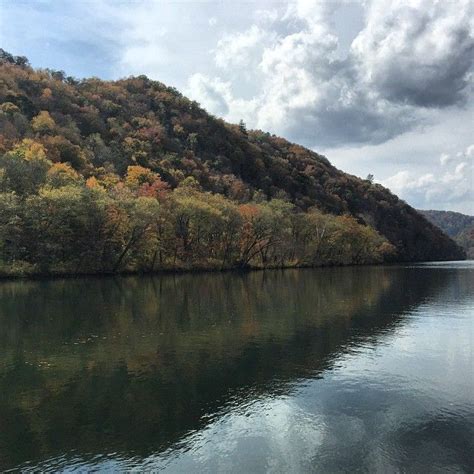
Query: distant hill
{"points": [[459, 227], [134, 138]]}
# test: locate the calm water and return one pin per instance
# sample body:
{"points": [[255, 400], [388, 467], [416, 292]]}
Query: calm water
{"points": [[331, 370]]}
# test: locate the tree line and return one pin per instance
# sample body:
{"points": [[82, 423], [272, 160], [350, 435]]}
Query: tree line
{"points": [[53, 220]]}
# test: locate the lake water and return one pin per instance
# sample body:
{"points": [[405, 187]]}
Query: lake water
{"points": [[326, 370]]}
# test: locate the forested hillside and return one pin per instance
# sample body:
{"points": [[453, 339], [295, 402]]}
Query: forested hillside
{"points": [[460, 227], [129, 175]]}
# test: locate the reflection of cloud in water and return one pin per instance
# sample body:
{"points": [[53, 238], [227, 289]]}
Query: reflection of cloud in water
{"points": [[354, 375], [327, 425], [399, 405], [273, 433]]}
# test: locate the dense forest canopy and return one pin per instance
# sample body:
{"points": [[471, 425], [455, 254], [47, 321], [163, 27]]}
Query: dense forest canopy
{"points": [[109, 176], [460, 227]]}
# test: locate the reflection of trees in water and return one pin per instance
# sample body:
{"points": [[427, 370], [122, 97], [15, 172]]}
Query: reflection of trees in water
{"points": [[132, 364]]}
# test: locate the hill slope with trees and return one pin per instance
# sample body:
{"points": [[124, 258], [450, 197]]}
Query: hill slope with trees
{"points": [[130, 175], [460, 227]]}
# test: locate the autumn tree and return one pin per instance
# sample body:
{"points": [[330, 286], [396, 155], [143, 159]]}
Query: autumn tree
{"points": [[24, 169], [43, 123]]}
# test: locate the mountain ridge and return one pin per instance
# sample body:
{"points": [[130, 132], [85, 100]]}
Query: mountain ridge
{"points": [[101, 128], [458, 226]]}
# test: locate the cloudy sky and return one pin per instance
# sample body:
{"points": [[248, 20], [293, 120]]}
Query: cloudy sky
{"points": [[378, 86]]}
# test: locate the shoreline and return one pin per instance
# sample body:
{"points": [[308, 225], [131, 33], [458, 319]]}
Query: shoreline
{"points": [[199, 270]]}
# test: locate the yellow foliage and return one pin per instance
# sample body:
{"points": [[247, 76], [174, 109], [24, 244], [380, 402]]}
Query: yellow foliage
{"points": [[9, 108], [47, 93], [178, 129], [61, 174], [30, 150], [43, 122], [138, 175]]}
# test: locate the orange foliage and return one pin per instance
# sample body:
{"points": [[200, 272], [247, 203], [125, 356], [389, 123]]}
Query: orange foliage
{"points": [[92, 183], [157, 189], [249, 211]]}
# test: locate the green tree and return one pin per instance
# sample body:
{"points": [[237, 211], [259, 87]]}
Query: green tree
{"points": [[24, 169]]}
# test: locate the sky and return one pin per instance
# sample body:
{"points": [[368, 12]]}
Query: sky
{"points": [[382, 87]]}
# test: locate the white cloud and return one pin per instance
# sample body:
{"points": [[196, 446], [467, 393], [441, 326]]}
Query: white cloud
{"points": [[445, 158], [308, 93], [240, 50], [410, 53], [417, 153], [266, 16], [435, 190], [216, 96], [468, 154]]}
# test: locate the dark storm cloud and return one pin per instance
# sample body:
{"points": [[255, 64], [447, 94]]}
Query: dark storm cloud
{"points": [[348, 113], [410, 57], [421, 55]]}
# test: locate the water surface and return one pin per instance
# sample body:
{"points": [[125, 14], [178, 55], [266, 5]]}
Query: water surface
{"points": [[327, 370]]}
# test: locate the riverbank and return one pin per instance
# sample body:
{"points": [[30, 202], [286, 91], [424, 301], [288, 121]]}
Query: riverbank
{"points": [[5, 274]]}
